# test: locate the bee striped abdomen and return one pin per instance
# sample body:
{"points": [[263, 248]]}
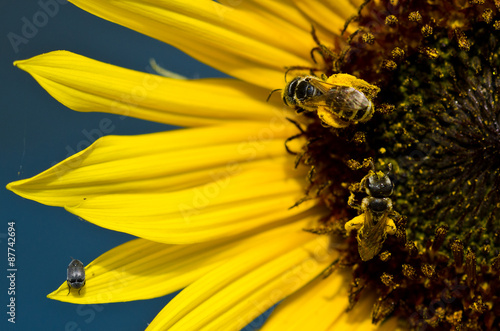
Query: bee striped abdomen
{"points": [[352, 105]]}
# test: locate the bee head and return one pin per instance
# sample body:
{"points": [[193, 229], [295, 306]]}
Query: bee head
{"points": [[289, 92], [379, 185]]}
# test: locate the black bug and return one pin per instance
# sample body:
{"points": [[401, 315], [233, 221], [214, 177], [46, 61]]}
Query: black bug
{"points": [[75, 275]]}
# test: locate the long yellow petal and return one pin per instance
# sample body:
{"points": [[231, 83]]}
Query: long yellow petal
{"points": [[142, 269], [232, 295], [160, 187], [196, 215], [158, 162], [88, 85], [234, 41]]}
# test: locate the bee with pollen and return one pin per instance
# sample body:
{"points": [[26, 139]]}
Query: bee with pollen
{"points": [[376, 221], [339, 100]]}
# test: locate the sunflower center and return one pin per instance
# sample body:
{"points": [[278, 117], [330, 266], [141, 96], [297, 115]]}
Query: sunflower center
{"points": [[445, 137], [437, 122]]}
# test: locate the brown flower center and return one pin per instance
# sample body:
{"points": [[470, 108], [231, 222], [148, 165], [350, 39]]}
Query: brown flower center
{"points": [[437, 122]]}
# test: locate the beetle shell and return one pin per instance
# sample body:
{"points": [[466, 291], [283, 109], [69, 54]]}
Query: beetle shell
{"points": [[76, 275]]}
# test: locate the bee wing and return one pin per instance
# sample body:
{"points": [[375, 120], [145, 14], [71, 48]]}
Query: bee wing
{"points": [[372, 235], [321, 85], [321, 100], [343, 100]]}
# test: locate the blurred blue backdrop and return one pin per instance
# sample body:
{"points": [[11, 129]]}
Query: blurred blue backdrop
{"points": [[37, 132]]}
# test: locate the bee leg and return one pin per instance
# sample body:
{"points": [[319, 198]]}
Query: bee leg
{"points": [[321, 49], [355, 224], [352, 201], [310, 174], [340, 60], [311, 69], [297, 125], [299, 110], [298, 159], [294, 136], [324, 51], [290, 139], [300, 201], [345, 50], [346, 24], [69, 288], [354, 17], [314, 50], [316, 40], [330, 269], [314, 35], [323, 186]]}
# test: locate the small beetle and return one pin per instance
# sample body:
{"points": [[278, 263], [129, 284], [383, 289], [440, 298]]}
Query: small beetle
{"points": [[76, 275]]}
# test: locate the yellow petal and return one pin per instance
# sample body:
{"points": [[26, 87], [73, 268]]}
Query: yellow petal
{"points": [[232, 295], [286, 15], [158, 162], [142, 269], [321, 305], [314, 307], [235, 41], [198, 214], [283, 12], [357, 3], [330, 15], [87, 85], [164, 187], [359, 318]]}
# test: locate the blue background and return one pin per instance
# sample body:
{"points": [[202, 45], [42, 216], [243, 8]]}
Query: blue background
{"points": [[37, 132]]}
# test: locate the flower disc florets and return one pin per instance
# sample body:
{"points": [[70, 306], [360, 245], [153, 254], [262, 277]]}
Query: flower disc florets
{"points": [[437, 122]]}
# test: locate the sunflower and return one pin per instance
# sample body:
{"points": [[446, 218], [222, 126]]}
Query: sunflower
{"points": [[249, 205]]}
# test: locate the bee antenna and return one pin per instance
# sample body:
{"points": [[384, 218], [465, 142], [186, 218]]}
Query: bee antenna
{"points": [[369, 163], [389, 168], [269, 96], [286, 72]]}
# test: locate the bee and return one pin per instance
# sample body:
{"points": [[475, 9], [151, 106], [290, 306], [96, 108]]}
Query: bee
{"points": [[375, 223], [75, 275], [339, 101]]}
